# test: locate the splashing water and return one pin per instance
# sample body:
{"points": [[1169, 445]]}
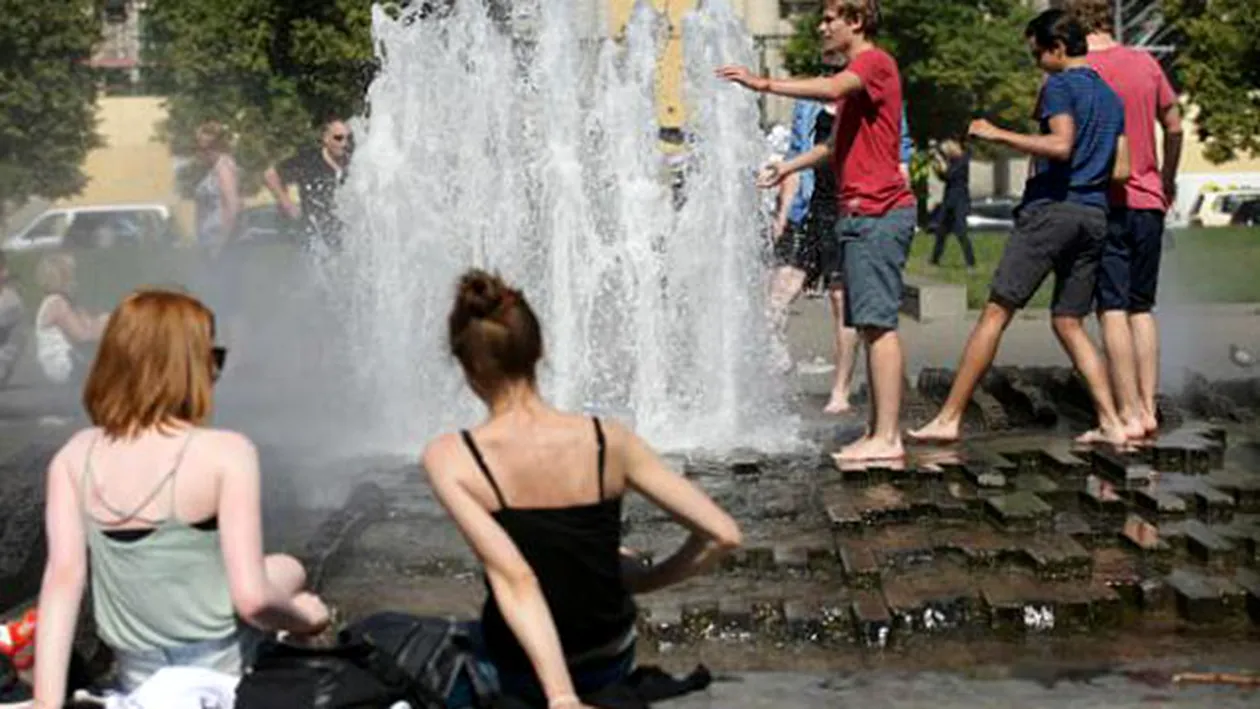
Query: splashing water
{"points": [[527, 144]]}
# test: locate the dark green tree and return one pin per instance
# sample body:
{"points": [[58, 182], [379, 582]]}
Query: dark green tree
{"points": [[1218, 63], [271, 70], [47, 97]]}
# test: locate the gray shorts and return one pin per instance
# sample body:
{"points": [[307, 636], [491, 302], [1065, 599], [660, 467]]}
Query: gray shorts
{"points": [[874, 252], [1062, 237]]}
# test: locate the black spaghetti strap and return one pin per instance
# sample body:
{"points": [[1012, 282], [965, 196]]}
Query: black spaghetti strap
{"points": [[599, 440], [485, 469]]}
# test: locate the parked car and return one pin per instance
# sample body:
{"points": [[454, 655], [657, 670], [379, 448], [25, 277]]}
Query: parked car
{"points": [[1213, 209], [96, 227], [992, 214], [264, 224], [1247, 214]]}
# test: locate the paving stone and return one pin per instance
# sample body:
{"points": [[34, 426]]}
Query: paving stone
{"points": [[803, 621], [1158, 502], [842, 511], [1244, 486], [700, 619], [872, 623], [1016, 606], [1077, 527], [1206, 546], [735, 616], [1059, 458], [1249, 581], [1126, 472], [1022, 511], [662, 620], [861, 570], [980, 545], [933, 599], [882, 504], [792, 557], [1058, 557], [1205, 599]]}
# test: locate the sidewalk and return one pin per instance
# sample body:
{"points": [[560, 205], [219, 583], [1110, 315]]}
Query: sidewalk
{"points": [[1197, 338]]}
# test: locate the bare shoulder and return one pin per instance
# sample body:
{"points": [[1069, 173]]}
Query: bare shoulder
{"points": [[441, 456], [227, 446], [76, 447]]}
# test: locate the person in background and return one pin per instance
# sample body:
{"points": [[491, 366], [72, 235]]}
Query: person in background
{"points": [[318, 172], [537, 493], [216, 190], [1128, 276], [877, 209], [64, 332], [12, 323], [163, 511], [953, 167], [1059, 227]]}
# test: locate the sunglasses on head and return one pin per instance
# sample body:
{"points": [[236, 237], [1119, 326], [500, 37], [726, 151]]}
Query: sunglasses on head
{"points": [[218, 355]]}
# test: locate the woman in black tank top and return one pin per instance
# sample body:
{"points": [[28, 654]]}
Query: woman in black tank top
{"points": [[538, 493]]}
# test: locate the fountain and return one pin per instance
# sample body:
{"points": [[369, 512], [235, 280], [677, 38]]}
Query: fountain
{"points": [[523, 143]]}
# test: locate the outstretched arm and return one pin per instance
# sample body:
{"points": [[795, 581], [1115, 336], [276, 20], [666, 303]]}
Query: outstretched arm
{"points": [[819, 88], [1055, 146]]}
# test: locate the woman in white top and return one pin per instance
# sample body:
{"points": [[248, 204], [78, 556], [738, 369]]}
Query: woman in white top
{"points": [[63, 331]]}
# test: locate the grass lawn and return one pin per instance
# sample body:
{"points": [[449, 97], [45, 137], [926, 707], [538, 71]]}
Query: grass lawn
{"points": [[1202, 266]]}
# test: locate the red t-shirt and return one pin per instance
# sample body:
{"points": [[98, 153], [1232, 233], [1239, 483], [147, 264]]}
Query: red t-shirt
{"points": [[1140, 83], [867, 153]]}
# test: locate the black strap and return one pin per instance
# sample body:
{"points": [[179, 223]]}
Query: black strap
{"points": [[481, 463], [599, 441]]}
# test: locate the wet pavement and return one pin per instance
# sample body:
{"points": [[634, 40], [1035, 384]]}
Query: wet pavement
{"points": [[1014, 570]]}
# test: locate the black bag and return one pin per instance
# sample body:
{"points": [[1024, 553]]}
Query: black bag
{"points": [[380, 661]]}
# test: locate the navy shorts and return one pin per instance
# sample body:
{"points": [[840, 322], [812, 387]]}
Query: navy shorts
{"points": [[1059, 237], [1129, 273], [874, 253]]}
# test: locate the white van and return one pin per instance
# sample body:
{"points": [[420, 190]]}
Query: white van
{"points": [[95, 227], [1215, 209]]}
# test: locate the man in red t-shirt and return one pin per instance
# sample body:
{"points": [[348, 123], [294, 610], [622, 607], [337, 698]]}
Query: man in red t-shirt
{"points": [[1129, 270], [876, 207]]}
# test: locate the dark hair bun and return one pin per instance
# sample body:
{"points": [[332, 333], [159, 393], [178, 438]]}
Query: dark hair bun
{"points": [[481, 294]]}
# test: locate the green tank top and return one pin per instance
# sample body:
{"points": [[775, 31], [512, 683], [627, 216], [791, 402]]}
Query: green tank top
{"points": [[166, 589]]}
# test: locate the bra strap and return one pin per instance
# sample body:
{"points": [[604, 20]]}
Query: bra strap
{"points": [[602, 444], [481, 463]]}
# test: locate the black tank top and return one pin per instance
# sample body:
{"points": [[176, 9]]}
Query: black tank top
{"points": [[574, 552], [824, 200]]}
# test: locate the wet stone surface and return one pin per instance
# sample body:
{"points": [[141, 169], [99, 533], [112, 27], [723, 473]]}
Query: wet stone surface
{"points": [[1006, 538]]}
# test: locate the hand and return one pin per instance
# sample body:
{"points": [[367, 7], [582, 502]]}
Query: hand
{"points": [[1170, 190], [771, 176], [778, 226], [314, 613], [743, 76], [982, 129], [290, 209]]}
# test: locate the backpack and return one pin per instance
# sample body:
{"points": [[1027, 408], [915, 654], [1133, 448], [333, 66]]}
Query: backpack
{"points": [[379, 662]]}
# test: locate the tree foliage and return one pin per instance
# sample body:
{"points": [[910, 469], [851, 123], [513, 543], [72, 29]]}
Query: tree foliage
{"points": [[1219, 67], [47, 97], [271, 70], [959, 59]]}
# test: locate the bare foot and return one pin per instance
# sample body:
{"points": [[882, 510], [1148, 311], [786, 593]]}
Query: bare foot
{"points": [[1113, 436], [837, 404], [871, 449], [1134, 430], [936, 431]]}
